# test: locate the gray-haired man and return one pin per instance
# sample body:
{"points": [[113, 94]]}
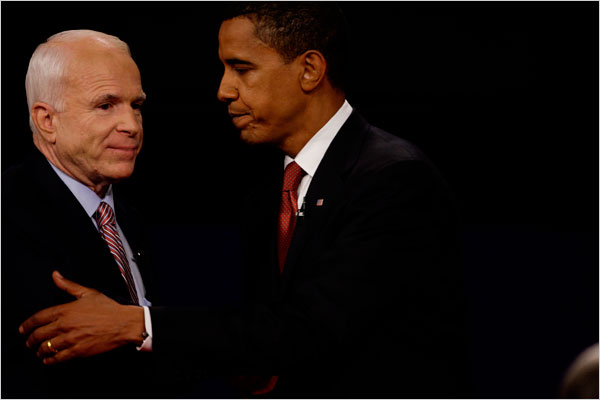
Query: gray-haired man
{"points": [[59, 211]]}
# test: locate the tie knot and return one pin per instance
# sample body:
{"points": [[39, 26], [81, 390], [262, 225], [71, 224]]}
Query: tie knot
{"points": [[292, 176], [104, 215]]}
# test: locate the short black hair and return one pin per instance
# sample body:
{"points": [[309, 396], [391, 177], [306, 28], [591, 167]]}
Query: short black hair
{"points": [[291, 28]]}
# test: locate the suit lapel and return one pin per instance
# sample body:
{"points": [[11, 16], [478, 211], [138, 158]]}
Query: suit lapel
{"points": [[326, 189], [87, 258], [131, 226]]}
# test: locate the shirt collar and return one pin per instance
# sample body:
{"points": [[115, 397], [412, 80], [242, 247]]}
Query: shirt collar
{"points": [[312, 153], [88, 199]]}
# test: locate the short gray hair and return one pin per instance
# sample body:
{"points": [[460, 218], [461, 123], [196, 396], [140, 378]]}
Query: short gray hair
{"points": [[46, 74]]}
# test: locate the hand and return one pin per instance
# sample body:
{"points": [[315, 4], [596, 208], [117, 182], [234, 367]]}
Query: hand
{"points": [[90, 325]]}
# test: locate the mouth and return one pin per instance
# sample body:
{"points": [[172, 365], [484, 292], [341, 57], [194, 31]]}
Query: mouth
{"points": [[127, 151], [240, 119]]}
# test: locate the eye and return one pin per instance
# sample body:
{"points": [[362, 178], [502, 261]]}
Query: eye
{"points": [[136, 106], [241, 71], [105, 106]]}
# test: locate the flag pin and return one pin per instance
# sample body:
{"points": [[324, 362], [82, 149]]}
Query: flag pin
{"points": [[319, 202]]}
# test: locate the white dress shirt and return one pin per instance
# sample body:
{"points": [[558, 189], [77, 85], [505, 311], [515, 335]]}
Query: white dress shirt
{"points": [[90, 201], [313, 151]]}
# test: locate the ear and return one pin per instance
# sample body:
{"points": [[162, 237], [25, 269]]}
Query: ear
{"points": [[314, 69], [43, 116]]}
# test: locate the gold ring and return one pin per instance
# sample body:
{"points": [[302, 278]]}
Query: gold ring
{"points": [[52, 349]]}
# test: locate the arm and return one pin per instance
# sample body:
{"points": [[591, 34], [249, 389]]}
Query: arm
{"points": [[90, 325], [381, 260], [376, 259]]}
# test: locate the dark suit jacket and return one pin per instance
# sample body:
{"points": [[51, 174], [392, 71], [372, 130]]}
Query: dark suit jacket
{"points": [[370, 301], [45, 228]]}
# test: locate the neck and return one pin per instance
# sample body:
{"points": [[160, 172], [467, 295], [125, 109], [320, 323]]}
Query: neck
{"points": [[320, 109], [48, 151]]}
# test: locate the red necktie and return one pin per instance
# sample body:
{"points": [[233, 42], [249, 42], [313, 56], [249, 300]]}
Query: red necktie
{"points": [[258, 385], [105, 218], [289, 208]]}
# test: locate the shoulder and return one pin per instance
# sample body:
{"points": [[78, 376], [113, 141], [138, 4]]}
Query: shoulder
{"points": [[389, 147], [18, 183], [390, 174], [382, 154], [31, 191]]}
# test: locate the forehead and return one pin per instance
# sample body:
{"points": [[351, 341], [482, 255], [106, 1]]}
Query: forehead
{"points": [[237, 39], [93, 69]]}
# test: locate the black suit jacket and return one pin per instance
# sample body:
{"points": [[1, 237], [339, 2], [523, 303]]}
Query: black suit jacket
{"points": [[45, 228], [370, 302]]}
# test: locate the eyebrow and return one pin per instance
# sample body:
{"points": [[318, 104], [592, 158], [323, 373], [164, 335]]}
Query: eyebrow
{"points": [[113, 98], [237, 61]]}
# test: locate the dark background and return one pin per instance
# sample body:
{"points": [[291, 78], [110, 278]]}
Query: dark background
{"points": [[502, 96]]}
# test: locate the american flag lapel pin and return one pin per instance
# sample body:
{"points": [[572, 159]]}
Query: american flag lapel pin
{"points": [[319, 202]]}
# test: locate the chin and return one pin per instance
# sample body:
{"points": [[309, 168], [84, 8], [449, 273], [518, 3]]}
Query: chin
{"points": [[247, 137], [120, 172], [252, 137]]}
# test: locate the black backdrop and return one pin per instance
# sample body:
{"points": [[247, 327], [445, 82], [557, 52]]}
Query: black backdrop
{"points": [[502, 96]]}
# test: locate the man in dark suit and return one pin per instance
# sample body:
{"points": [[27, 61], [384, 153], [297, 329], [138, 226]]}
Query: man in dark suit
{"points": [[58, 212], [352, 288]]}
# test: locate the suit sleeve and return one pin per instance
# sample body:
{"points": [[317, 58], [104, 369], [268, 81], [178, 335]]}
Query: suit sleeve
{"points": [[393, 234], [26, 289]]}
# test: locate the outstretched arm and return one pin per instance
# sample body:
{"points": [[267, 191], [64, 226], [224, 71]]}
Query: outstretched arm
{"points": [[90, 325]]}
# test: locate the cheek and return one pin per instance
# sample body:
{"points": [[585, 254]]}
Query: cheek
{"points": [[269, 106], [261, 95], [71, 138], [284, 106], [87, 138]]}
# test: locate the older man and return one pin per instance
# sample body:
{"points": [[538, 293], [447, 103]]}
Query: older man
{"points": [[59, 211], [351, 285]]}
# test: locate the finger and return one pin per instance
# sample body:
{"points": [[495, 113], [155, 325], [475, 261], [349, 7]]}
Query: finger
{"points": [[42, 333], [74, 289], [40, 318], [61, 356], [49, 348]]}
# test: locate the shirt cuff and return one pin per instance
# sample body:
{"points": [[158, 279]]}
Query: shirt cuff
{"points": [[147, 343]]}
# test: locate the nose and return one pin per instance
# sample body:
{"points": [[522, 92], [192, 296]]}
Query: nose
{"points": [[130, 121], [227, 89]]}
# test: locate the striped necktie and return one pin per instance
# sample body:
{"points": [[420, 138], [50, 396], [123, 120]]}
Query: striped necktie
{"points": [[107, 225]]}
